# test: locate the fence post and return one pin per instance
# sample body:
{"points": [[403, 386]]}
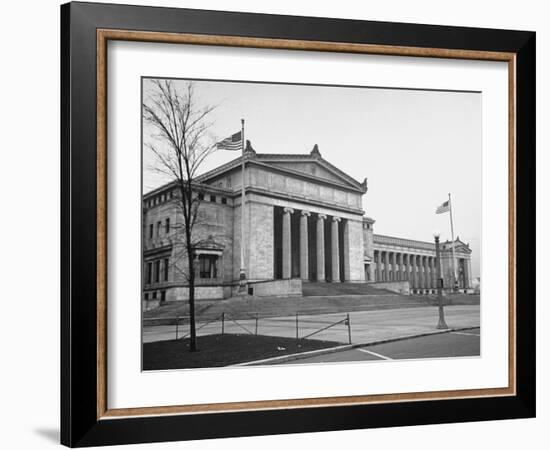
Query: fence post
{"points": [[349, 329], [297, 326], [223, 322], [177, 323], [256, 324]]}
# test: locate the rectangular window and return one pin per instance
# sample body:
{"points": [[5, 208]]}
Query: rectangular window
{"points": [[165, 269], [213, 198], [149, 273], [154, 295], [201, 196], [151, 231], [157, 271], [224, 201], [159, 225], [146, 296], [162, 296], [208, 266], [167, 225]]}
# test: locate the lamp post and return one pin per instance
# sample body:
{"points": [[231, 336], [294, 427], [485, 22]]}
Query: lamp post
{"points": [[441, 325]]}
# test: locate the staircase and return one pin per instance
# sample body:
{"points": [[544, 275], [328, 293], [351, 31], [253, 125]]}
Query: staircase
{"points": [[312, 288]]}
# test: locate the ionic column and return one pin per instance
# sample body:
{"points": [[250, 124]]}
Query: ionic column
{"points": [[414, 277], [396, 266], [428, 275], [287, 246], [376, 255], [321, 247], [386, 266], [399, 266], [346, 252], [304, 252], [406, 267], [468, 273], [434, 273], [424, 273], [335, 250], [380, 269], [421, 272]]}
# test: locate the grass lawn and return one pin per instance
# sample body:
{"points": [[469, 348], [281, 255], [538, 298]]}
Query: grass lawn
{"points": [[220, 350]]}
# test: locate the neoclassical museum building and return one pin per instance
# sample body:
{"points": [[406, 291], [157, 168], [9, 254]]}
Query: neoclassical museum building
{"points": [[304, 223]]}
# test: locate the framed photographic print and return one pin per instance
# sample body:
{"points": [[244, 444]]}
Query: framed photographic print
{"points": [[276, 224]]}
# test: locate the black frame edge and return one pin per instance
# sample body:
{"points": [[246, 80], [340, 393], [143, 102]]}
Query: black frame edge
{"points": [[526, 223], [65, 416]]}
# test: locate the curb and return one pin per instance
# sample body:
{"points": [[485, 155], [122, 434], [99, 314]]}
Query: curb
{"points": [[341, 348]]}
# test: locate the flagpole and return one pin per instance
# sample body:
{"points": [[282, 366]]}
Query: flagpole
{"points": [[452, 240], [242, 274]]}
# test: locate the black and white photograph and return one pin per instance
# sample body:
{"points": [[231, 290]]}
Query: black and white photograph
{"points": [[308, 224]]}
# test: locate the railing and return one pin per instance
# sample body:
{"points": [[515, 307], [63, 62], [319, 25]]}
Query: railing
{"points": [[299, 327], [345, 322]]}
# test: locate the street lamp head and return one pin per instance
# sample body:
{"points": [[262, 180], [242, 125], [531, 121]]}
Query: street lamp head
{"points": [[437, 234]]}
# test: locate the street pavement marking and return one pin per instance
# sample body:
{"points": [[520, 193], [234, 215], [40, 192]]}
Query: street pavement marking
{"points": [[374, 354], [465, 334]]}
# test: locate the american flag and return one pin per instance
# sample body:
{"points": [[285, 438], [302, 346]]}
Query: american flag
{"points": [[232, 143], [443, 208]]}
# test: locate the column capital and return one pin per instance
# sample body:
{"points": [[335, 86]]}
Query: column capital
{"points": [[288, 210], [305, 213], [321, 216], [336, 219]]}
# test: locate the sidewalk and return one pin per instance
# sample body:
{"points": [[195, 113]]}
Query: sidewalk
{"points": [[366, 326]]}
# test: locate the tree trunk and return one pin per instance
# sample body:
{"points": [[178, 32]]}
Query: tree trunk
{"points": [[192, 330]]}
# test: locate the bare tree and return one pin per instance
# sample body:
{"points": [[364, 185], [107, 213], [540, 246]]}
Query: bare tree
{"points": [[180, 145]]}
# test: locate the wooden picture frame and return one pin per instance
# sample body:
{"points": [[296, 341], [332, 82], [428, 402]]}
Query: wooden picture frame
{"points": [[86, 418]]}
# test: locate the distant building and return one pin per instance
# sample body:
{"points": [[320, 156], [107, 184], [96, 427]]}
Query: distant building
{"points": [[303, 222]]}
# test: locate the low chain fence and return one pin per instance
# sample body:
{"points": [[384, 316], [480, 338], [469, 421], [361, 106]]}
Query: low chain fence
{"points": [[300, 327]]}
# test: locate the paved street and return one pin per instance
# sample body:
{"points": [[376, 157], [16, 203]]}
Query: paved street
{"points": [[453, 344], [366, 326]]}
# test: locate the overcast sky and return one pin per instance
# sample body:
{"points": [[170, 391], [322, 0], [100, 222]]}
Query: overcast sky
{"points": [[413, 146]]}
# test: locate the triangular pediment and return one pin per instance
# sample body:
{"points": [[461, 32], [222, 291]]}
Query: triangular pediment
{"points": [[459, 246], [462, 248], [311, 167]]}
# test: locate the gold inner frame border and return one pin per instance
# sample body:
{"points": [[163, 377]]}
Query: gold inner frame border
{"points": [[104, 35]]}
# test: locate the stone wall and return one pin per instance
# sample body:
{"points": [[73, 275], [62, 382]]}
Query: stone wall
{"points": [[368, 238], [291, 287], [149, 304], [201, 293], [260, 242], [399, 287], [354, 247]]}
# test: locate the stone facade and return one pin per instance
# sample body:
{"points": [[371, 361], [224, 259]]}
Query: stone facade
{"points": [[303, 221]]}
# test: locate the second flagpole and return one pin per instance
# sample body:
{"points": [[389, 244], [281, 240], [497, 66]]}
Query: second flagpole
{"points": [[452, 241], [242, 274]]}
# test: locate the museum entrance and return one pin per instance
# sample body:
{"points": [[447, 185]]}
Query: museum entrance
{"points": [[296, 220]]}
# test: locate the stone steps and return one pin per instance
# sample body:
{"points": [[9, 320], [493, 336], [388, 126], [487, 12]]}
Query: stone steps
{"points": [[249, 307], [311, 288]]}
